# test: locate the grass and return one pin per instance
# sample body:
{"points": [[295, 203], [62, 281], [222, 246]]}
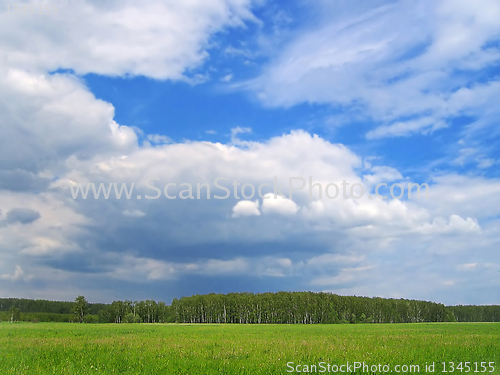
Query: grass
{"points": [[65, 348]]}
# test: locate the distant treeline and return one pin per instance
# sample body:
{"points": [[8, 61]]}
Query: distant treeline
{"points": [[40, 305], [56, 311], [476, 313], [38, 317], [136, 312], [304, 308], [249, 308]]}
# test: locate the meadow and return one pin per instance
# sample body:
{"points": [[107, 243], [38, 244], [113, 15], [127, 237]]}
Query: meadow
{"points": [[66, 348]]}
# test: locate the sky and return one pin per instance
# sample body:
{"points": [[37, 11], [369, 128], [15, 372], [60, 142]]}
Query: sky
{"points": [[175, 92]]}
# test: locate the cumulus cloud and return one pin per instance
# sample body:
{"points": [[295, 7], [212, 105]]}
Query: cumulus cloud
{"points": [[44, 226], [56, 134], [54, 116], [382, 174], [246, 208], [155, 39], [315, 239], [455, 224], [17, 275], [323, 244], [278, 205]]}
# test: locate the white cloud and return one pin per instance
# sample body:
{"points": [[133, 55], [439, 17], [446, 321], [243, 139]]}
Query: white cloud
{"points": [[473, 155], [54, 116], [484, 163], [142, 269], [346, 275], [381, 174], [246, 208], [134, 213], [17, 275], [334, 259], [394, 63], [158, 139], [52, 234], [323, 236], [55, 134], [273, 267], [466, 196], [455, 224], [217, 267], [227, 78], [278, 205], [422, 125], [155, 39], [234, 135]]}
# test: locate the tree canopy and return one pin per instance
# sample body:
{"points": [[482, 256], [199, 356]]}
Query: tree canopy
{"points": [[281, 307], [304, 308], [80, 308]]}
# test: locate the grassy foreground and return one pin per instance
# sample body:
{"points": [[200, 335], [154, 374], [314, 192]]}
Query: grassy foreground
{"points": [[65, 348]]}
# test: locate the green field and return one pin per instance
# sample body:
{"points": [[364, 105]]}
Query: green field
{"points": [[65, 348]]}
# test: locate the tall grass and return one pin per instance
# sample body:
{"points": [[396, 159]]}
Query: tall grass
{"points": [[64, 348]]}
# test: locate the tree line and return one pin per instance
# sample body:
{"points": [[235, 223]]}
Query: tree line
{"points": [[148, 311], [476, 313], [247, 308], [40, 305], [80, 311], [30, 310], [304, 308]]}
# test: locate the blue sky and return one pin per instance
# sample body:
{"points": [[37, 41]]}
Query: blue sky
{"points": [[367, 92]]}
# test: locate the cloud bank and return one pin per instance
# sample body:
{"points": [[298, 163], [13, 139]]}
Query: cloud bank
{"points": [[56, 134]]}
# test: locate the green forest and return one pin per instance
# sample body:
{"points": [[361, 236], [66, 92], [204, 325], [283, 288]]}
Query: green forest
{"points": [[247, 308], [304, 308]]}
